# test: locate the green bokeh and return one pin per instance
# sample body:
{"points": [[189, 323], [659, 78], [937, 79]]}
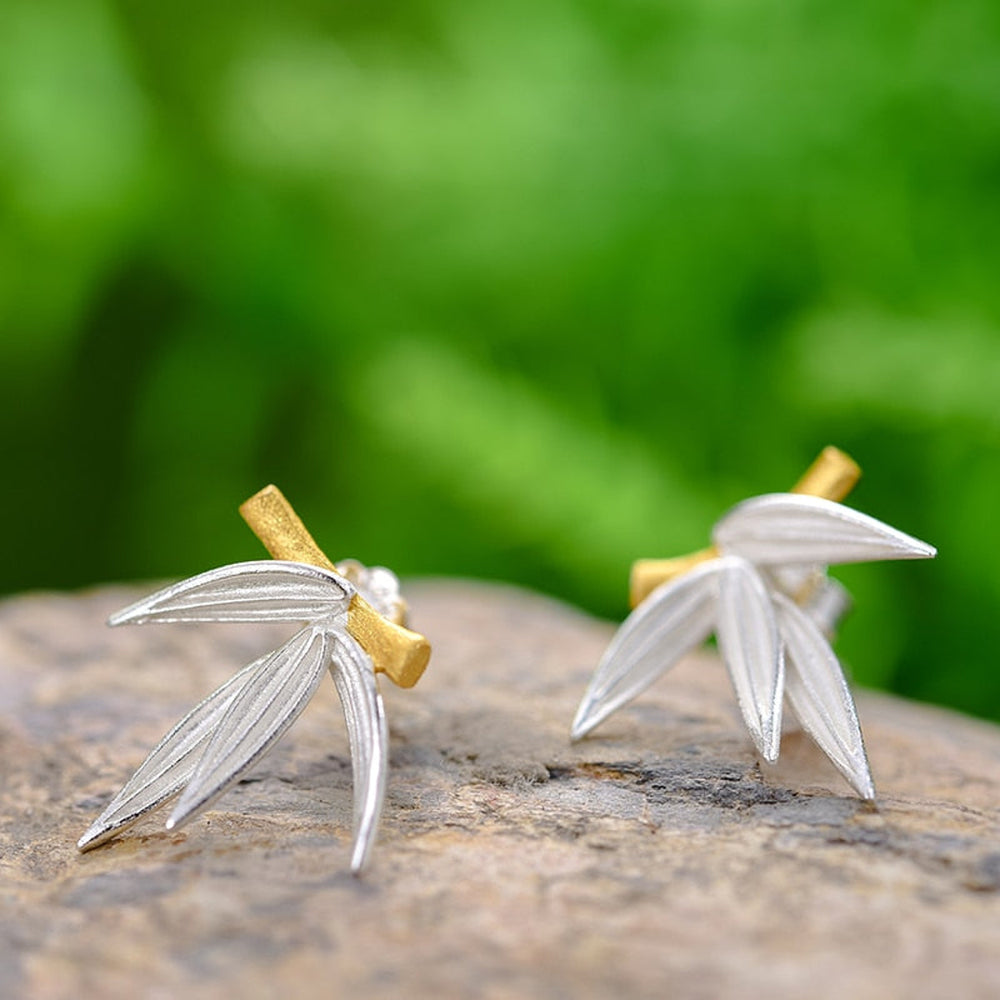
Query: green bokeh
{"points": [[520, 291]]}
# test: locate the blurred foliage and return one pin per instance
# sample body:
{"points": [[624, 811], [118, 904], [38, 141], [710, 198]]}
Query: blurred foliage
{"points": [[519, 291]]}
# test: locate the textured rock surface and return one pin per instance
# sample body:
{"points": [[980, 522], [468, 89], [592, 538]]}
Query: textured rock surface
{"points": [[656, 858]]}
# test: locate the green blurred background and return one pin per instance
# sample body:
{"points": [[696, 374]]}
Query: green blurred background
{"points": [[520, 291]]}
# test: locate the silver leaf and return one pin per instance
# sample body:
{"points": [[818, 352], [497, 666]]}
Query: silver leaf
{"points": [[170, 765], [364, 714], [751, 648], [819, 695], [257, 717], [793, 528], [675, 618], [264, 591]]}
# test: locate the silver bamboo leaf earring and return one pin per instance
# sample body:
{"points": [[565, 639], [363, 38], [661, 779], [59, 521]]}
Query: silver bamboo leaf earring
{"points": [[354, 626], [762, 589]]}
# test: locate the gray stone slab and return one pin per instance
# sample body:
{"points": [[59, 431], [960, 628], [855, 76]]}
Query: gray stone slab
{"points": [[658, 858]]}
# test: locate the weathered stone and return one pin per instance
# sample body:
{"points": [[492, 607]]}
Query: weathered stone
{"points": [[657, 858]]}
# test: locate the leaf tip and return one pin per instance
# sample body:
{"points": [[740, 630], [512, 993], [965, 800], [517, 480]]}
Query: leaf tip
{"points": [[91, 838], [181, 814], [861, 781], [588, 715]]}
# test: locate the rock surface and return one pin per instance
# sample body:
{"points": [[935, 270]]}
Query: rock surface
{"points": [[656, 858]]}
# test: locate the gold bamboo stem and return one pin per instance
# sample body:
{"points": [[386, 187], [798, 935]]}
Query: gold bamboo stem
{"points": [[395, 651], [832, 475]]}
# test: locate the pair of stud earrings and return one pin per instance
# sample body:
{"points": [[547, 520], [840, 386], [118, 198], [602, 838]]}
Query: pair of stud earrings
{"points": [[761, 589]]}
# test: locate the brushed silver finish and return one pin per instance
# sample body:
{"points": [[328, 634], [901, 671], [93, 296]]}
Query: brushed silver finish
{"points": [[264, 707], [769, 602], [369, 735], [268, 590], [225, 735], [673, 620], [170, 764], [752, 651], [787, 528], [818, 694]]}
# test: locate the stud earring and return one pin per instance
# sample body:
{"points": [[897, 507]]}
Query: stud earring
{"points": [[354, 626], [762, 589]]}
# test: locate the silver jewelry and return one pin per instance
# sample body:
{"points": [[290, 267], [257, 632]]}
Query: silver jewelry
{"points": [[762, 590], [353, 619]]}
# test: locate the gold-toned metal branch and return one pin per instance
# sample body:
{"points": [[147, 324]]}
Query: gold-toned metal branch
{"points": [[832, 476], [395, 651], [274, 521]]}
